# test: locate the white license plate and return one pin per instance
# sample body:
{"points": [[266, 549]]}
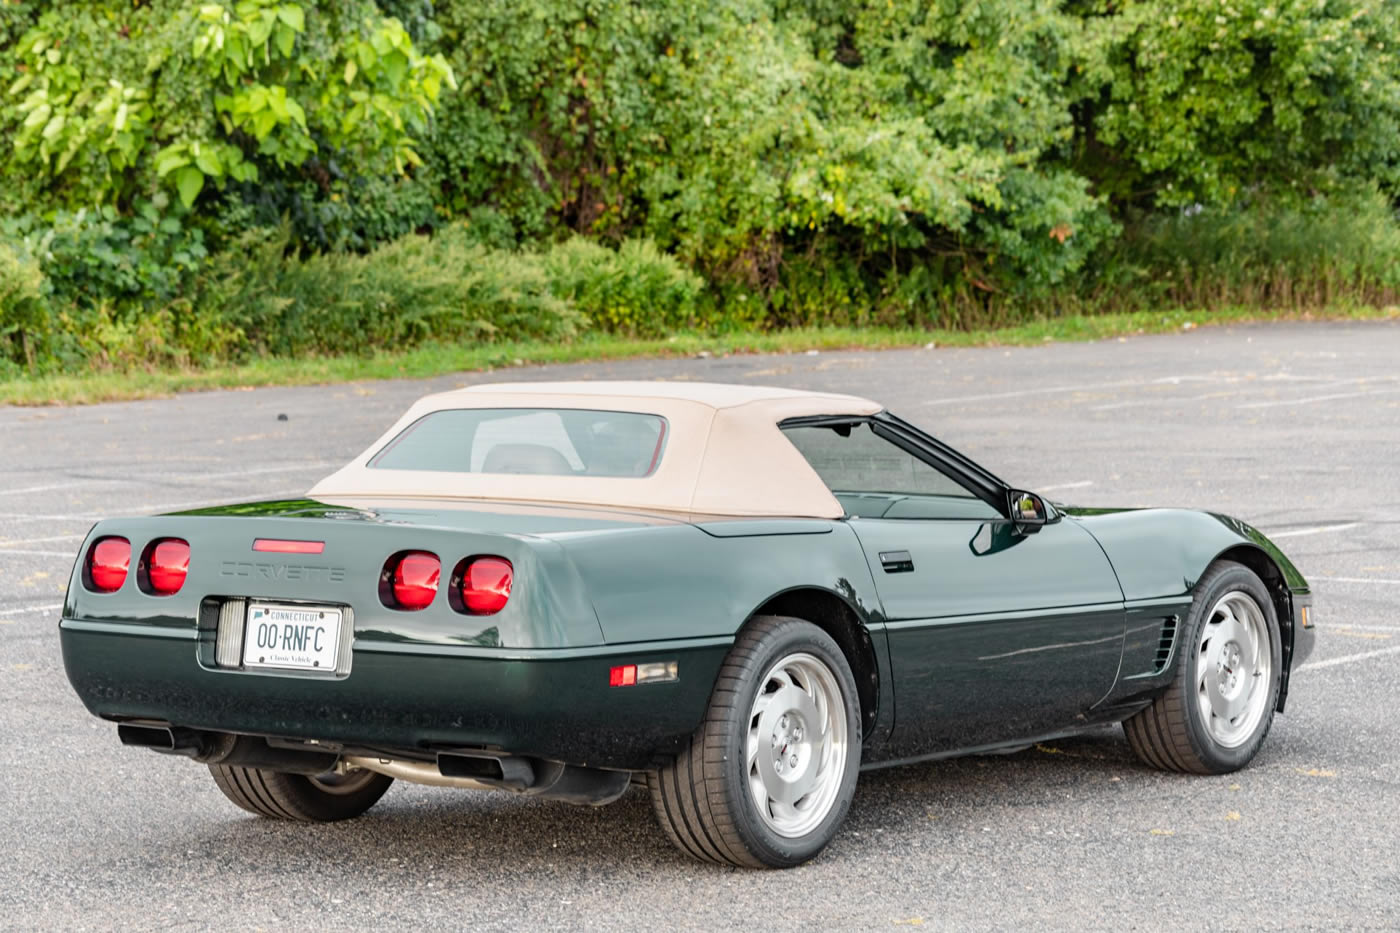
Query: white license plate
{"points": [[292, 637]]}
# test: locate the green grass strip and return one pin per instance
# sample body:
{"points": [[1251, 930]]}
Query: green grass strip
{"points": [[437, 359]]}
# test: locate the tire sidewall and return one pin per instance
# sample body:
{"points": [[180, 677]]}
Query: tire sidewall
{"points": [[1216, 757], [793, 636]]}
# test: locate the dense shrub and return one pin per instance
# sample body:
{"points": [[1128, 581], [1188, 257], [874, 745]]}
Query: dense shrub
{"points": [[1267, 254]]}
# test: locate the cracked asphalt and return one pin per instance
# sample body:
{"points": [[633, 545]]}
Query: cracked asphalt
{"points": [[1293, 427]]}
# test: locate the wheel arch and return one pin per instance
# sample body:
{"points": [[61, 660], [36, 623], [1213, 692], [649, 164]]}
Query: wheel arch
{"points": [[1264, 566], [833, 614]]}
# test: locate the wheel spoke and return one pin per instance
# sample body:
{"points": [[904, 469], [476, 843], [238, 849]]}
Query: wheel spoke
{"points": [[796, 745]]}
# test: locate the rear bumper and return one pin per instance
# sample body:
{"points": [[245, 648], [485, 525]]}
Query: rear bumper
{"points": [[553, 704]]}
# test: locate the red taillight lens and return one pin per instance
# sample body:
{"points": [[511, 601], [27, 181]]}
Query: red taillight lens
{"points": [[167, 565], [486, 585], [108, 562], [416, 580]]}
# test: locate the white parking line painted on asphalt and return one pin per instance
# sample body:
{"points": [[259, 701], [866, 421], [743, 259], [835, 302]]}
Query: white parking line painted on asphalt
{"points": [[1319, 398], [144, 509], [1380, 580], [1346, 659], [50, 540], [1086, 387], [1079, 485], [137, 476], [51, 486], [21, 610], [5, 551], [1319, 530]]}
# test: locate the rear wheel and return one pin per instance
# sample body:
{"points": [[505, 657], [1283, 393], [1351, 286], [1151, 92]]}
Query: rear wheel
{"points": [[1221, 703], [323, 798], [770, 773]]}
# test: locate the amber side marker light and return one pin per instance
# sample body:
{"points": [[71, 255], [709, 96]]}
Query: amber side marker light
{"points": [[279, 546], [630, 675], [1307, 619]]}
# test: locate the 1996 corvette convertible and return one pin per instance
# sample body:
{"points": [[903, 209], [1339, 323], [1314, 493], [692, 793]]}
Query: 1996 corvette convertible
{"points": [[737, 596]]}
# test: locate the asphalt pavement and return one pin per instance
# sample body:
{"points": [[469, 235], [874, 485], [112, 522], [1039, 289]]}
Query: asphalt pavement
{"points": [[1293, 427]]}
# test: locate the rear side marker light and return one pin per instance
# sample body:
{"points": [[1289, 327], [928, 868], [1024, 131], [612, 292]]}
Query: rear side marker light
{"points": [[165, 565], [483, 584], [279, 546], [107, 564], [657, 672], [410, 580]]}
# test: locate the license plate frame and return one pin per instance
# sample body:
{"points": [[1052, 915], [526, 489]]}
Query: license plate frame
{"points": [[304, 638]]}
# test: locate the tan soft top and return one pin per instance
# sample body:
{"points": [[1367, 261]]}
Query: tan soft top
{"points": [[724, 456]]}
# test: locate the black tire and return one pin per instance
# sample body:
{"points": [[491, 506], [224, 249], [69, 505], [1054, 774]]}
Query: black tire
{"points": [[1174, 733], [703, 799], [283, 796]]}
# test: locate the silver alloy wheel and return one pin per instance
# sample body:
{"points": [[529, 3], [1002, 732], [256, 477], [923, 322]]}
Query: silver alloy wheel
{"points": [[1234, 669], [796, 745]]}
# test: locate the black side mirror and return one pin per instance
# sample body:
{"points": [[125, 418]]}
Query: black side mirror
{"points": [[1028, 512]]}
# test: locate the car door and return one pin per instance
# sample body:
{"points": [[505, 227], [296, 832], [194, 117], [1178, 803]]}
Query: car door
{"points": [[995, 634]]}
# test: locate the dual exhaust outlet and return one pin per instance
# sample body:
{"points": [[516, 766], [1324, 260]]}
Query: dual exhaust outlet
{"points": [[464, 769]]}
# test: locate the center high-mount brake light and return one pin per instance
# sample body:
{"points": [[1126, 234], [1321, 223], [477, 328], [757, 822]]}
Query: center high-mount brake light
{"points": [[281, 546], [413, 579], [108, 562], [167, 564]]}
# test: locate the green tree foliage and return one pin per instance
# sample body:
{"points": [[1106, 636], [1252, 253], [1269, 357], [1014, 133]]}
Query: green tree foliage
{"points": [[115, 102], [1208, 101], [674, 163]]}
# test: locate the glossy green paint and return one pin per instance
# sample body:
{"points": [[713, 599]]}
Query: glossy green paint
{"points": [[998, 636], [1026, 631]]}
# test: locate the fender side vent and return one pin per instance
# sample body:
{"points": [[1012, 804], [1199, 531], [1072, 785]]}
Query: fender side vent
{"points": [[1164, 644]]}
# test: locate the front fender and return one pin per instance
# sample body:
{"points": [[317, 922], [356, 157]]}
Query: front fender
{"points": [[1161, 553]]}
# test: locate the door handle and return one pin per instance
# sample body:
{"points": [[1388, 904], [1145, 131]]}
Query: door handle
{"points": [[896, 561]]}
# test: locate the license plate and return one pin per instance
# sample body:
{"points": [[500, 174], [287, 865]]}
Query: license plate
{"points": [[292, 637]]}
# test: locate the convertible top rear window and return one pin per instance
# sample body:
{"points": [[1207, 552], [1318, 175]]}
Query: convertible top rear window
{"points": [[541, 441]]}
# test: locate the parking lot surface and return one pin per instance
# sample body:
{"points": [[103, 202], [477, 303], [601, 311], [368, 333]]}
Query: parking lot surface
{"points": [[1293, 427]]}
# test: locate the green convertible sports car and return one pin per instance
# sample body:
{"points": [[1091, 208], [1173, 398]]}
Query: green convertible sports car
{"points": [[737, 596]]}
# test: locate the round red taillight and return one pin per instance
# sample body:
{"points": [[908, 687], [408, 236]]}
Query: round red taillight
{"points": [[415, 580], [108, 562], [486, 585], [167, 565]]}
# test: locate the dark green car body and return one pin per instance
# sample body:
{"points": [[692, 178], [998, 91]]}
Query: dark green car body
{"points": [[964, 634]]}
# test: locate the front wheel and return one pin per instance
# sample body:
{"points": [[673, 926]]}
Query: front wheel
{"points": [[1216, 713], [323, 798], [770, 773]]}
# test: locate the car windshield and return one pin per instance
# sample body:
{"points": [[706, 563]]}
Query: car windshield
{"points": [[542, 441]]}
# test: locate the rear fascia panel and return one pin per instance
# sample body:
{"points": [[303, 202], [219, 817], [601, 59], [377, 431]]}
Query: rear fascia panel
{"points": [[548, 607]]}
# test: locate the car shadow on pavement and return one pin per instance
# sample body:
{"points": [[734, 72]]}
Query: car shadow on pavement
{"points": [[455, 834]]}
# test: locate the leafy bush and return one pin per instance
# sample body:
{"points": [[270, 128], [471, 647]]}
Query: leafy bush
{"points": [[635, 290], [400, 295], [98, 257], [1264, 254], [23, 314]]}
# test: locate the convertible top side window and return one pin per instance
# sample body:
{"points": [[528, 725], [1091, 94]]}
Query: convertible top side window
{"points": [[875, 473]]}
